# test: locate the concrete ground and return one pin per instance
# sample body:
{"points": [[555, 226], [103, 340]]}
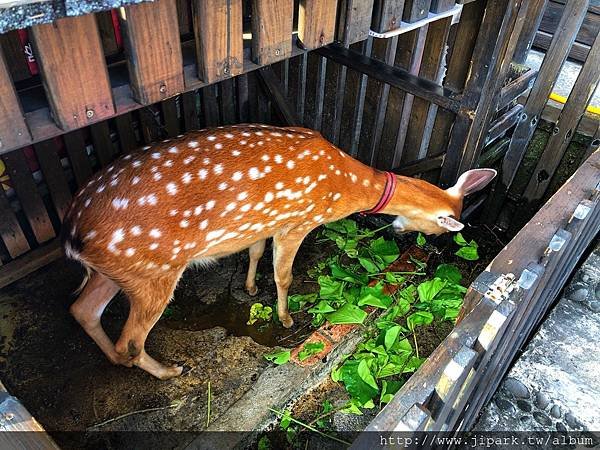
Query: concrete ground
{"points": [[555, 384]]}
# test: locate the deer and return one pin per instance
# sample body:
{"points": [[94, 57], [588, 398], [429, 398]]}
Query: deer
{"points": [[139, 222]]}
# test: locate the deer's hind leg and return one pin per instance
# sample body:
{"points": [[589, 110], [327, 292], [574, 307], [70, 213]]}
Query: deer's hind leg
{"points": [[148, 299], [255, 251]]}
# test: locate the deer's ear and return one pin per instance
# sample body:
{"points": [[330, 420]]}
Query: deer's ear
{"points": [[450, 223], [472, 181]]}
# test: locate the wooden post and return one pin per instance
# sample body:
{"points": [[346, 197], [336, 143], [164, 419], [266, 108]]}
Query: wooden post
{"points": [[536, 12], [355, 20], [71, 61], [271, 30], [13, 131], [151, 38], [219, 44], [387, 15], [416, 10], [316, 22]]}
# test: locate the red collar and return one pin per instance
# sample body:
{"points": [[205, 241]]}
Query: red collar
{"points": [[388, 192]]}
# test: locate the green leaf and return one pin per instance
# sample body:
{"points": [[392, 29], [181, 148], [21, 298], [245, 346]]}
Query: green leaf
{"points": [[387, 250], [279, 358], [259, 312], [347, 314], [354, 384], [448, 272], [297, 301], [469, 253], [330, 288], [345, 275], [429, 289], [389, 389], [369, 265], [408, 293], [460, 240], [286, 420], [323, 307], [264, 443], [418, 318], [352, 407], [391, 335], [394, 278], [365, 374], [309, 349], [346, 226], [421, 241]]}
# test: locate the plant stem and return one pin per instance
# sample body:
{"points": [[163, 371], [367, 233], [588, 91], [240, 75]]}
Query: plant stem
{"points": [[322, 416], [209, 400], [416, 345], [371, 233], [308, 427], [175, 404]]}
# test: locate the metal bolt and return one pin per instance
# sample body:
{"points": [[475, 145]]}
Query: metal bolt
{"points": [[89, 113], [277, 52], [162, 88], [555, 130], [226, 70], [9, 416], [421, 12]]}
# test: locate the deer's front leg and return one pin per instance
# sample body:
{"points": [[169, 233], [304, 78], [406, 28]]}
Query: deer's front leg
{"points": [[256, 251], [284, 252]]}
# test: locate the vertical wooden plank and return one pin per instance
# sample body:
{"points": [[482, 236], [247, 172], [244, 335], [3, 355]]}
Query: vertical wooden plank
{"points": [[150, 128], [535, 14], [219, 44], [557, 53], [271, 30], [316, 23], [227, 101], [153, 48], [432, 60], [10, 231], [387, 15], [355, 20], [11, 46], [565, 127], [13, 131], [302, 85], [80, 163], [241, 85], [440, 6], [107, 32], [320, 93], [76, 80], [102, 143], [190, 113], [210, 106], [54, 176], [415, 10], [29, 197], [184, 15], [359, 106], [127, 139], [170, 118]]}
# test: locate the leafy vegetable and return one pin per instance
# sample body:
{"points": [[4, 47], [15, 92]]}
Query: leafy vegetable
{"points": [[448, 272], [309, 349], [259, 312], [297, 301], [323, 307], [467, 250], [347, 314], [421, 241], [279, 358], [419, 318]]}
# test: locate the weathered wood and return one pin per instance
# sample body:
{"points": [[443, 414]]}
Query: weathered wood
{"points": [[191, 120], [420, 166], [107, 32], [316, 23], [564, 129], [13, 130], [271, 30], [578, 51], [219, 45], [80, 163], [78, 93], [273, 87], [359, 105], [184, 17], [24, 265], [170, 119], [496, 42], [589, 29], [210, 106], [535, 13], [440, 6], [415, 10], [227, 102], [127, 139], [102, 143], [542, 87], [149, 126], [320, 93], [29, 197], [505, 122], [151, 39], [516, 88], [387, 15], [354, 20], [10, 230], [54, 176], [11, 46], [241, 84]]}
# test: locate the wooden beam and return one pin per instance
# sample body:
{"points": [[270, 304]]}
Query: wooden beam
{"points": [[535, 12], [151, 39], [415, 10], [577, 53], [13, 131], [28, 263], [516, 88], [219, 45], [387, 15], [565, 128], [271, 30], [440, 6], [354, 20], [71, 60], [316, 23], [420, 166], [503, 123], [273, 87], [393, 76]]}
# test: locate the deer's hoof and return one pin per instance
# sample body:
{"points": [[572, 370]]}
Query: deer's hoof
{"points": [[252, 290], [171, 372], [287, 322]]}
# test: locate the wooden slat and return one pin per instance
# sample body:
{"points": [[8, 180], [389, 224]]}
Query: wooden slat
{"points": [[190, 113], [219, 45], [80, 163], [387, 15], [13, 131], [29, 197], [271, 30], [150, 128], [590, 27], [210, 106], [54, 175], [316, 23], [227, 102], [102, 143], [355, 20], [564, 130], [184, 15], [275, 90], [440, 6], [107, 32], [26, 264], [529, 30], [241, 85], [516, 88], [127, 139], [559, 49], [171, 121], [501, 125], [10, 231], [578, 51], [415, 10], [151, 39], [71, 61], [359, 104], [15, 53]]}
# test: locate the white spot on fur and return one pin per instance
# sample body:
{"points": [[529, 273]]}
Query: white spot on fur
{"points": [[155, 233], [171, 188], [186, 178], [184, 223], [130, 252], [242, 196], [202, 173], [210, 204], [136, 230], [215, 234], [192, 144], [336, 196], [237, 176], [222, 186], [269, 197], [153, 246], [117, 236], [290, 164], [218, 169], [203, 224]]}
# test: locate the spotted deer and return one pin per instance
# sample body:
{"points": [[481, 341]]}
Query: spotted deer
{"points": [[141, 221]]}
